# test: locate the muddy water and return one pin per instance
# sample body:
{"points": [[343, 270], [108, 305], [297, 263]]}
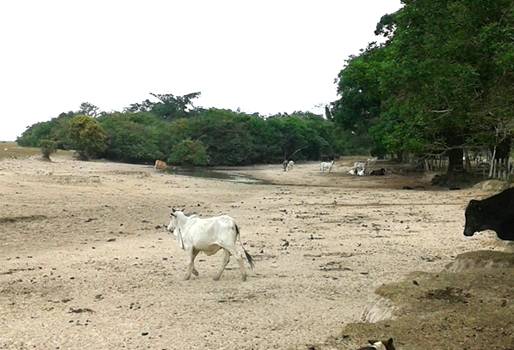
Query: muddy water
{"points": [[215, 174]]}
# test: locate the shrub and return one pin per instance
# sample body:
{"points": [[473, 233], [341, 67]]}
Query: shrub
{"points": [[48, 147], [87, 137], [188, 152]]}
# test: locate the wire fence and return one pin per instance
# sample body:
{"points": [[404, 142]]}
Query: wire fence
{"points": [[480, 165]]}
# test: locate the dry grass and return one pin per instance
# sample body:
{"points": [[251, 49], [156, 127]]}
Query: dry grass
{"points": [[10, 149]]}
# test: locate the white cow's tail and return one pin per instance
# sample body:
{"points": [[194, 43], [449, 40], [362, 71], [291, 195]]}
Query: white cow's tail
{"points": [[248, 256]]}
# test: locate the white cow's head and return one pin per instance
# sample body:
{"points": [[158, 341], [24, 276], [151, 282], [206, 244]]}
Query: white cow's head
{"points": [[173, 226], [173, 220]]}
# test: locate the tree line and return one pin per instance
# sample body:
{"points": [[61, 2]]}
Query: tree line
{"points": [[171, 128], [442, 81]]}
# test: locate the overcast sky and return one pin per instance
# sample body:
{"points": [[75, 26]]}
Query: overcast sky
{"points": [[263, 56]]}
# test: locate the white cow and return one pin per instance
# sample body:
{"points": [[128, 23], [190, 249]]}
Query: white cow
{"points": [[372, 160], [379, 345], [326, 166], [290, 165], [209, 235], [359, 169]]}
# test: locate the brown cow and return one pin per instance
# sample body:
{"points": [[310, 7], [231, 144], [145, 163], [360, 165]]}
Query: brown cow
{"points": [[160, 165]]}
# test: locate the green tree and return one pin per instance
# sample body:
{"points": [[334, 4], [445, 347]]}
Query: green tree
{"points": [[134, 137], [48, 147], [168, 107], [433, 86], [189, 152], [87, 136], [89, 109]]}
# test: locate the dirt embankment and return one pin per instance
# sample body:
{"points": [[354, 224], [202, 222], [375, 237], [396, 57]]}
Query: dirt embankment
{"points": [[467, 305]]}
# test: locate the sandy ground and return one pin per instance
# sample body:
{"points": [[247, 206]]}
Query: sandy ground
{"points": [[85, 262]]}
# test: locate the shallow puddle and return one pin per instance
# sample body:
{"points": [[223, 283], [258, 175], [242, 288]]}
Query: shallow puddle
{"points": [[214, 174]]}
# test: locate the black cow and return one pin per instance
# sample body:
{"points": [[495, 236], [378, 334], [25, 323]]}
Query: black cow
{"points": [[379, 172], [494, 213]]}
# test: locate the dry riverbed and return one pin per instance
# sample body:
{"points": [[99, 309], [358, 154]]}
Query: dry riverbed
{"points": [[85, 261]]}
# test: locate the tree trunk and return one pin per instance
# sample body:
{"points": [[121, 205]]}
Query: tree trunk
{"points": [[503, 148], [493, 159], [467, 162], [455, 163]]}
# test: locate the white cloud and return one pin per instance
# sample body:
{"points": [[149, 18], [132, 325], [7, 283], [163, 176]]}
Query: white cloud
{"points": [[262, 56]]}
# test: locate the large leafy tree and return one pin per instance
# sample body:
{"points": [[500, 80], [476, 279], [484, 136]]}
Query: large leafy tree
{"points": [[134, 137], [359, 107], [440, 82], [87, 136], [89, 109], [189, 152], [168, 106]]}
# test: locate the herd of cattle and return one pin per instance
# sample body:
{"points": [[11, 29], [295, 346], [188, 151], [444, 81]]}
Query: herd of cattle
{"points": [[210, 235], [360, 168], [195, 234]]}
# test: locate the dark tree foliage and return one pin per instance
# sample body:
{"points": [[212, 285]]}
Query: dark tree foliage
{"points": [[168, 106], [54, 129], [89, 109], [133, 137], [217, 136], [189, 152], [441, 82]]}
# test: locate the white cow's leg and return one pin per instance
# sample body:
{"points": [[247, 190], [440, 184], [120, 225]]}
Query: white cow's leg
{"points": [[239, 261], [192, 255], [241, 267], [195, 253], [226, 259]]}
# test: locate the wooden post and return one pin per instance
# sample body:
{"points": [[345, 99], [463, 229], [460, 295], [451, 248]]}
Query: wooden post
{"points": [[491, 169]]}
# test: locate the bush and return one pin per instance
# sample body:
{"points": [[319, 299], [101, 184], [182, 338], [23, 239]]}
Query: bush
{"points": [[87, 136], [134, 138], [48, 147], [188, 152]]}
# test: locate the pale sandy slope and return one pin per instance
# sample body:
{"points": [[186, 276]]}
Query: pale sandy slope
{"points": [[83, 264]]}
